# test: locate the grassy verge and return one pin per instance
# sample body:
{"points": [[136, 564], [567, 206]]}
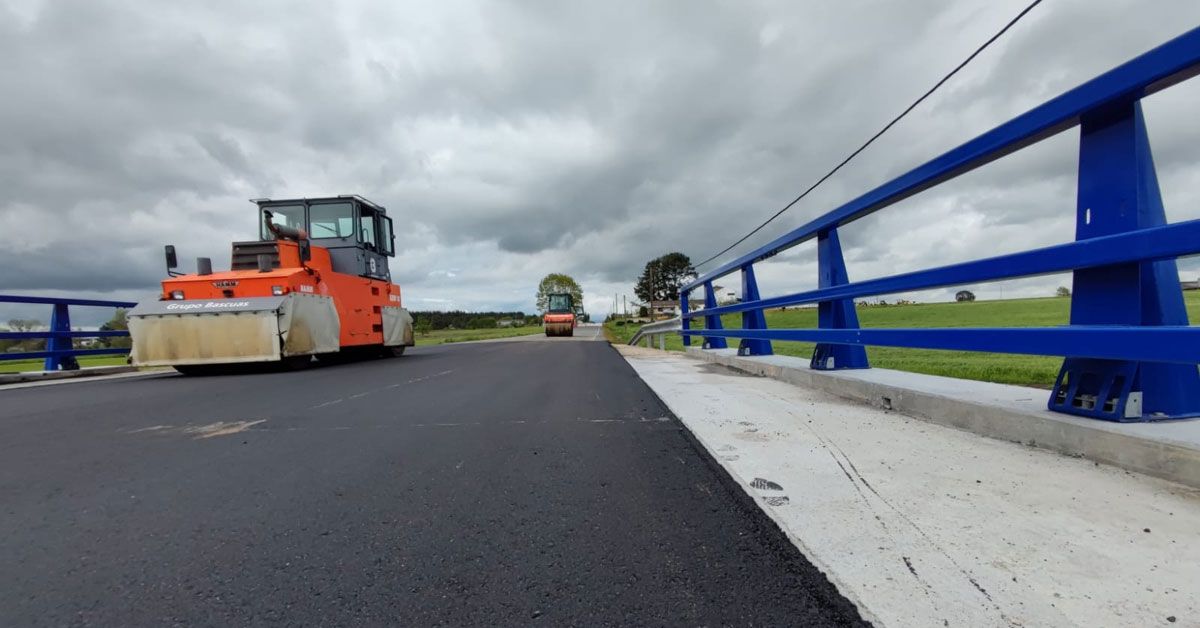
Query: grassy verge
{"points": [[1004, 368], [21, 366], [446, 336]]}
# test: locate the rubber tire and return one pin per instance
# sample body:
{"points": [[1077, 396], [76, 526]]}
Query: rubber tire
{"points": [[331, 358], [295, 363], [393, 352], [197, 370]]}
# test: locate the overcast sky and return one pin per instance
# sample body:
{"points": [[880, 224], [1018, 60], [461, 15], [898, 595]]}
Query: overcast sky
{"points": [[512, 139]]}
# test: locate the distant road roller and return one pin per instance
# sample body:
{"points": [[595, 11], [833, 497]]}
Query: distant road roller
{"points": [[315, 284], [560, 318]]}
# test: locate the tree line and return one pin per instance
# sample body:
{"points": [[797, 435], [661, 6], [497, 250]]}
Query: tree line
{"points": [[458, 319], [117, 322]]}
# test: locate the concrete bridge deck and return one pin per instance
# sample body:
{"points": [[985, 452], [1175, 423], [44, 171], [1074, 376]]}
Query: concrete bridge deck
{"points": [[923, 524]]}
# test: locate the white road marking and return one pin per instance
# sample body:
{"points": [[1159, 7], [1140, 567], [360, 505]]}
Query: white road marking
{"points": [[428, 377], [222, 428], [152, 428], [219, 428], [631, 420]]}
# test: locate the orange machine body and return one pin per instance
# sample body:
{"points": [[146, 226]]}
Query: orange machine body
{"points": [[559, 320], [358, 300]]}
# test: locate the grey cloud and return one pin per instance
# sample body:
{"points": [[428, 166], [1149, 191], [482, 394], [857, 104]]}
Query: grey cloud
{"points": [[514, 138]]}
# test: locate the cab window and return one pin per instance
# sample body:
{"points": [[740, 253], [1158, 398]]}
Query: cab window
{"points": [[284, 216], [385, 235], [367, 231], [331, 220]]}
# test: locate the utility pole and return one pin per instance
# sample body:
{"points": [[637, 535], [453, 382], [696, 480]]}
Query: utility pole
{"points": [[653, 293]]}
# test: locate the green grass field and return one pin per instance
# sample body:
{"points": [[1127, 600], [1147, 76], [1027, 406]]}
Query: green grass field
{"points": [[21, 366], [990, 367], [446, 336]]}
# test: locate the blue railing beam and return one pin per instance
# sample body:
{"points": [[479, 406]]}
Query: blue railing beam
{"points": [[30, 355], [1176, 344], [29, 335], [1166, 65], [1155, 243], [7, 298]]}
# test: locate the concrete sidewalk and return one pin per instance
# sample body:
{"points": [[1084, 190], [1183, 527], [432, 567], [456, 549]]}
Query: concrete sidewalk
{"points": [[1166, 449], [925, 525]]}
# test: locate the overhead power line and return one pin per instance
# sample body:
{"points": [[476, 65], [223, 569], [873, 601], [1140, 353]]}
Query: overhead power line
{"points": [[877, 135]]}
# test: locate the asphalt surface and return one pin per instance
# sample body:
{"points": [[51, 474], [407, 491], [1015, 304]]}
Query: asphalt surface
{"points": [[513, 483]]}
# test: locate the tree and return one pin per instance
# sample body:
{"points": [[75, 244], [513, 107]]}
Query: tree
{"points": [[483, 322], [663, 276], [116, 323], [558, 283], [964, 295], [1062, 291], [24, 325]]}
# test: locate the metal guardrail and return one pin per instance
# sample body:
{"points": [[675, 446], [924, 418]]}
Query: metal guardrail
{"points": [[60, 352], [660, 329], [1129, 352]]}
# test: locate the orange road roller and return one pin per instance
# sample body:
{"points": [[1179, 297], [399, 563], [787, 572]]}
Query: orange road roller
{"points": [[559, 319], [315, 284]]}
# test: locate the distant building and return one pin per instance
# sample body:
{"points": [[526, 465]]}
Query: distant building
{"points": [[1190, 285], [670, 309]]}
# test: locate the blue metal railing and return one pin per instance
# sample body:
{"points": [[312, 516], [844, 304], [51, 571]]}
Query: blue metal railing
{"points": [[60, 352], [1129, 352]]}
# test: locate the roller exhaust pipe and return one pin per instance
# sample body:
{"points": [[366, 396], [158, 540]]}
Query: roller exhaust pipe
{"points": [[283, 232]]}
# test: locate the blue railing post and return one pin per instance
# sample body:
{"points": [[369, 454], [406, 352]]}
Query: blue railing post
{"points": [[712, 321], [60, 321], [1118, 192], [685, 323], [752, 319], [837, 313]]}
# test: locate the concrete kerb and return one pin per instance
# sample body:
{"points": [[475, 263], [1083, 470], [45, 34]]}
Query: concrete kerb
{"points": [[1168, 450], [45, 376]]}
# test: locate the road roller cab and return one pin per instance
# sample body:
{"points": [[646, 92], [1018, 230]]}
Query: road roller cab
{"points": [[316, 282]]}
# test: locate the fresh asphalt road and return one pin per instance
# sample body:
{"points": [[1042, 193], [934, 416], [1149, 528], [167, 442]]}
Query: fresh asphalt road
{"points": [[505, 483]]}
